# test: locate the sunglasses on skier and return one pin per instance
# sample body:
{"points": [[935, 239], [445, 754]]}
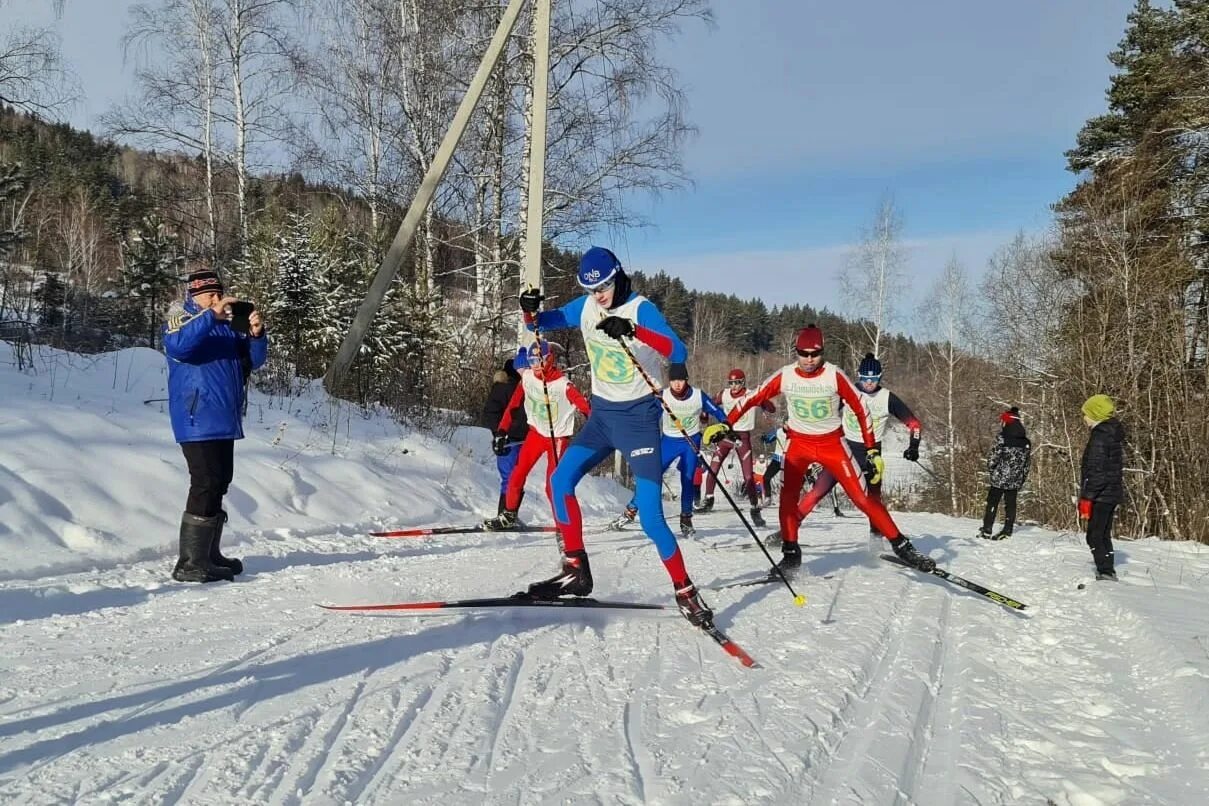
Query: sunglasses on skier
{"points": [[605, 286], [736, 383], [810, 353]]}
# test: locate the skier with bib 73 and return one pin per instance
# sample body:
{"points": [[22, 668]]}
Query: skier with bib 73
{"points": [[625, 417]]}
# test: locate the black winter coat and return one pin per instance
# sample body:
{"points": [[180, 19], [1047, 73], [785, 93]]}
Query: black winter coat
{"points": [[498, 399], [1102, 471], [1008, 463]]}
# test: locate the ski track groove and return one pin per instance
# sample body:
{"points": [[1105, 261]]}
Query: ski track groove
{"points": [[517, 672], [833, 762], [322, 755], [361, 789], [638, 754]]}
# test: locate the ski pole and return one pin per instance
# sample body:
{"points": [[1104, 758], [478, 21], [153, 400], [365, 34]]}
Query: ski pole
{"points": [[929, 472], [798, 599]]}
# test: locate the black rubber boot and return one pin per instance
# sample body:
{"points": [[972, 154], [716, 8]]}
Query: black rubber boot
{"points": [[216, 557], [197, 534]]}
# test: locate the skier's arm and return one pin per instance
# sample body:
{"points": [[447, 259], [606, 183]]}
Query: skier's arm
{"points": [[559, 318], [899, 410], [712, 409], [850, 397], [518, 396], [578, 400], [1096, 478], [185, 333], [767, 391], [652, 329]]}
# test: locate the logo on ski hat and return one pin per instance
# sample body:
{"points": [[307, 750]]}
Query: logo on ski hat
{"points": [[597, 268]]}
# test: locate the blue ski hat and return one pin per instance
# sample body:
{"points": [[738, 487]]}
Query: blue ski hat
{"points": [[544, 352], [870, 369], [597, 267]]}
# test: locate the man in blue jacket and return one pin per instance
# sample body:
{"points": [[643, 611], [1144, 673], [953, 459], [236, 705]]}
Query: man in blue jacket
{"points": [[210, 357]]}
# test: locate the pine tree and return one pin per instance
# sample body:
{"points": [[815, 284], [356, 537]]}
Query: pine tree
{"points": [[151, 270]]}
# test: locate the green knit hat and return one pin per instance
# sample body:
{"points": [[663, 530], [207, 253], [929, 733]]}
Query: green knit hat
{"points": [[1099, 408]]}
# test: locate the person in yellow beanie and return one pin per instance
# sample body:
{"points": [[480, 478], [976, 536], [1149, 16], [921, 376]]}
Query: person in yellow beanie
{"points": [[1102, 479]]}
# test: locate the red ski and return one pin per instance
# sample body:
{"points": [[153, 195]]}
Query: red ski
{"points": [[455, 530]]}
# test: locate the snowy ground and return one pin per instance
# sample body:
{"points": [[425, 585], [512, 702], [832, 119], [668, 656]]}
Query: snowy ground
{"points": [[117, 684]]}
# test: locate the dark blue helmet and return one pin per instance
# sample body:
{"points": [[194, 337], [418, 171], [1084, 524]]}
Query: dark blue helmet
{"points": [[869, 370], [598, 268]]}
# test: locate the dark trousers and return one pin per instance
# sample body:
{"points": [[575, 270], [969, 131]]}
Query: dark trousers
{"points": [[211, 466], [1009, 509], [1099, 535], [770, 473]]}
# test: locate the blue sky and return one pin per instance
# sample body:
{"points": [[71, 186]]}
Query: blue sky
{"points": [[810, 111]]}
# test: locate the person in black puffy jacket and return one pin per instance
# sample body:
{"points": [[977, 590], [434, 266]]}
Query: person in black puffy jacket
{"points": [[1102, 479], [507, 450], [1007, 467]]}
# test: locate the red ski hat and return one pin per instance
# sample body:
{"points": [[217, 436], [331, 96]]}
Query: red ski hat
{"points": [[736, 375], [1010, 416], [809, 338]]}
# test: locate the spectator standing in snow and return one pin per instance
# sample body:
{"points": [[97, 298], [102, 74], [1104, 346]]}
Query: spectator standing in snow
{"points": [[1101, 479], [1007, 467], [503, 387], [212, 347]]}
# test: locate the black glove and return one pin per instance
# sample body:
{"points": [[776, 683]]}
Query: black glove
{"points": [[499, 444], [531, 300], [911, 454], [616, 326]]}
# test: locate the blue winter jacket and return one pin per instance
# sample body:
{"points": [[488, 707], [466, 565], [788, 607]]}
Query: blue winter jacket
{"points": [[205, 373]]}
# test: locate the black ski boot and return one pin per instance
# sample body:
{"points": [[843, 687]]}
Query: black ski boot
{"points": [[686, 526], [707, 504], [791, 558], [506, 521], [692, 607], [907, 553], [574, 580], [984, 533], [1110, 576], [1003, 535], [216, 557], [197, 535], [757, 518]]}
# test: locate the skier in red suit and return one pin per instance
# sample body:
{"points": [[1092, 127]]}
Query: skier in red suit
{"points": [[730, 399], [548, 397], [815, 393]]}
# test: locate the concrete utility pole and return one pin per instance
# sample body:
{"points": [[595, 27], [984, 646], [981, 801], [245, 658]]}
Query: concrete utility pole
{"points": [[401, 244]]}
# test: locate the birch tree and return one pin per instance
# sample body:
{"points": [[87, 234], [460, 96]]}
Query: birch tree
{"points": [[946, 317], [874, 273]]}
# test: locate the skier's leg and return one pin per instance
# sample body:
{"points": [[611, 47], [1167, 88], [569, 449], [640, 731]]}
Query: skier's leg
{"points": [[554, 450], [988, 515], [1009, 511], [1099, 537], [745, 465], [589, 448], [720, 455], [770, 473], [837, 459], [530, 450], [688, 471], [798, 457], [817, 492]]}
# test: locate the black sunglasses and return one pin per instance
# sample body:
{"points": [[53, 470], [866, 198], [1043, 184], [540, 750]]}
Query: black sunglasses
{"points": [[810, 353]]}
